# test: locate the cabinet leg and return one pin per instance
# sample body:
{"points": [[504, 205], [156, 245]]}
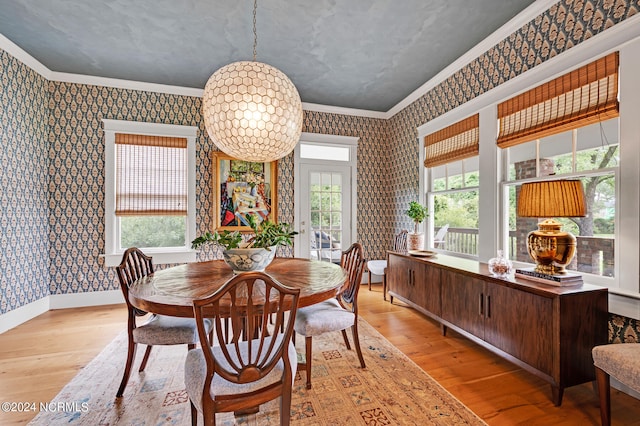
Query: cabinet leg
{"points": [[391, 299], [556, 395], [443, 329]]}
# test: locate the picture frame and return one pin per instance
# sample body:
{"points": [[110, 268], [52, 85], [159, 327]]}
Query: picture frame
{"points": [[242, 187]]}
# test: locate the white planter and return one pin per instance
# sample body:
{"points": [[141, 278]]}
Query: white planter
{"points": [[248, 259], [415, 241]]}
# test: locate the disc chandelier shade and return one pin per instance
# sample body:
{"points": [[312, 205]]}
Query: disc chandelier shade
{"points": [[252, 111]]}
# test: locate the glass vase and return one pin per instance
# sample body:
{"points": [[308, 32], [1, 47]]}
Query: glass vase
{"points": [[500, 266]]}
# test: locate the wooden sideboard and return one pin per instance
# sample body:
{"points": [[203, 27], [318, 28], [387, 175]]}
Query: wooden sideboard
{"points": [[547, 330]]}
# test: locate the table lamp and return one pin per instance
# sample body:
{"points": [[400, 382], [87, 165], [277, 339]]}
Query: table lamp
{"points": [[551, 248]]}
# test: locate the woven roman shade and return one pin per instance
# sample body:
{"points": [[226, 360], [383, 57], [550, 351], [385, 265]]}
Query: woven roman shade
{"points": [[581, 97], [456, 142], [151, 175]]}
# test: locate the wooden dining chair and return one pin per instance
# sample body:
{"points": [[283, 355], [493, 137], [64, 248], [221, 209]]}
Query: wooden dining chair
{"points": [[336, 314], [379, 267], [158, 329], [257, 363]]}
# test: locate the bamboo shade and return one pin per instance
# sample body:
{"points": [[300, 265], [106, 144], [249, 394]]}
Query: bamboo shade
{"points": [[581, 97], [151, 175], [456, 142], [555, 198]]}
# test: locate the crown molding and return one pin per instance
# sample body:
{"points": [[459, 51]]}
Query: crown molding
{"points": [[125, 84], [513, 25], [343, 111], [599, 45], [18, 53], [532, 11]]}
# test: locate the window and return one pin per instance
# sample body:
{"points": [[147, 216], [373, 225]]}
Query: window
{"points": [[589, 153], [150, 182], [324, 152], [453, 203], [451, 156], [566, 128]]}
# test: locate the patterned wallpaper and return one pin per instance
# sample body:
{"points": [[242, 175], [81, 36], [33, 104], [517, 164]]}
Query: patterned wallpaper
{"points": [[374, 221], [69, 130], [53, 167], [564, 25], [24, 186]]}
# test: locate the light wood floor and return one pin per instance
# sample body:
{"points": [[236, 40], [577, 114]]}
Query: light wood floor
{"points": [[39, 357]]}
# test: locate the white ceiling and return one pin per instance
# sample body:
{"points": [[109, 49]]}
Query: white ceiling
{"points": [[363, 54]]}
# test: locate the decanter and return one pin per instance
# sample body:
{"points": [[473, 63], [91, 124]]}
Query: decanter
{"points": [[500, 266]]}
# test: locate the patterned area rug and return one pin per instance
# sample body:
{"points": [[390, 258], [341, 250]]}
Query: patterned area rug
{"points": [[392, 390]]}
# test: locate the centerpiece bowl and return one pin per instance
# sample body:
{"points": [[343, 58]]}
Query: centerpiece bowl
{"points": [[242, 260]]}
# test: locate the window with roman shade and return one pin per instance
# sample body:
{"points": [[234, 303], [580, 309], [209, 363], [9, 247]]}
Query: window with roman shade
{"points": [[568, 129], [582, 97], [451, 159], [456, 142], [151, 175]]}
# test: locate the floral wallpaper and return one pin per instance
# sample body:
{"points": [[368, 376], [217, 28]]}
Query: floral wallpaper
{"points": [[564, 25], [24, 186], [623, 329], [52, 155]]}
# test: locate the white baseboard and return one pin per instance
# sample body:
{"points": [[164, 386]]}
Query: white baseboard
{"points": [[58, 301], [622, 388], [23, 314], [90, 298], [625, 305]]}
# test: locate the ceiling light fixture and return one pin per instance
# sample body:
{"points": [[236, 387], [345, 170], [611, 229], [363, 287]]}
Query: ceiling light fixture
{"points": [[252, 111]]}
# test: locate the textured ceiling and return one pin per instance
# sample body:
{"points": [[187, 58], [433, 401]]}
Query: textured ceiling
{"points": [[366, 54]]}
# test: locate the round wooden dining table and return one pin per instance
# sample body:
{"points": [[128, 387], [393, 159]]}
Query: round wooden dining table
{"points": [[171, 291]]}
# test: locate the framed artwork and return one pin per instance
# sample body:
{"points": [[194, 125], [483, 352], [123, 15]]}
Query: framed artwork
{"points": [[241, 188]]}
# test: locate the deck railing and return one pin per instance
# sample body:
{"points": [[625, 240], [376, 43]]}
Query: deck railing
{"points": [[595, 254]]}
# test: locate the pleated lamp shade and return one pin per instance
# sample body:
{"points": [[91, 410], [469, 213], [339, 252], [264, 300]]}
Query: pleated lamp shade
{"points": [[554, 198]]}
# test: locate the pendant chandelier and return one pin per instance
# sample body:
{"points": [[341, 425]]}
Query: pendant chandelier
{"points": [[252, 111]]}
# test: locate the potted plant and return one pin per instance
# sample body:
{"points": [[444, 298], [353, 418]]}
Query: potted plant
{"points": [[417, 212], [257, 252]]}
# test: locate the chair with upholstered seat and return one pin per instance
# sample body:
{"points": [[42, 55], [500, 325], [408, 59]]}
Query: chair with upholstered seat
{"points": [[158, 329], [620, 361], [336, 314], [378, 267], [257, 363]]}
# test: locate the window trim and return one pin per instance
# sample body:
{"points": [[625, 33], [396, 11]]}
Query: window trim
{"points": [[602, 280], [323, 139], [166, 255], [492, 163]]}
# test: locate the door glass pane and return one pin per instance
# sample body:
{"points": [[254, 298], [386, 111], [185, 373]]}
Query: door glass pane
{"points": [[325, 203], [336, 201], [326, 216], [336, 220], [315, 219]]}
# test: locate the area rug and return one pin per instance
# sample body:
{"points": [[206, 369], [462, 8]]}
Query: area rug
{"points": [[391, 390]]}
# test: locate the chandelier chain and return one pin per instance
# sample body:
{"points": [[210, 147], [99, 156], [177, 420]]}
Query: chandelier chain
{"points": [[255, 33]]}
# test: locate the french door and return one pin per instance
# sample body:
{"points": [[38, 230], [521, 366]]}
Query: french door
{"points": [[325, 211]]}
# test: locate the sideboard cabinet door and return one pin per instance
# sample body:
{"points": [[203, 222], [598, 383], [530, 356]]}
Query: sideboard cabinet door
{"points": [[463, 302], [521, 324], [400, 277]]}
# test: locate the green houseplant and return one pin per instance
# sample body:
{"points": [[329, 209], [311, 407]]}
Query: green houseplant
{"points": [[417, 212], [254, 254]]}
